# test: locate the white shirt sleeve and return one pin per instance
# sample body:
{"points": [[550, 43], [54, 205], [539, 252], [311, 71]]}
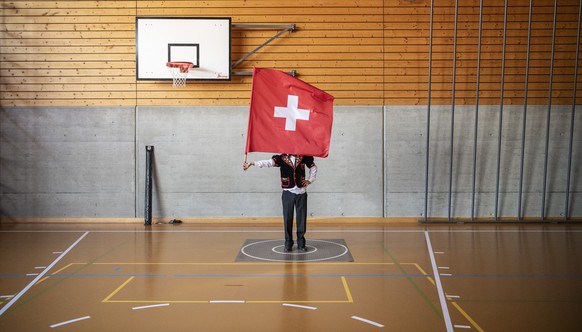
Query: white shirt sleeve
{"points": [[268, 163], [312, 173]]}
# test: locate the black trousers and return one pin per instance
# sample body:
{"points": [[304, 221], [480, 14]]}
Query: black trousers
{"points": [[298, 203]]}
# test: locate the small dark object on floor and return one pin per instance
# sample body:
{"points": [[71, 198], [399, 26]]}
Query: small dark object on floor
{"points": [[175, 221]]}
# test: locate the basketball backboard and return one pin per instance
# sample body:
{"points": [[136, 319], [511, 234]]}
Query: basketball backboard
{"points": [[203, 41]]}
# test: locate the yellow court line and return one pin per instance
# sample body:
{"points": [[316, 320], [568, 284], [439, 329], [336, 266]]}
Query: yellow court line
{"points": [[108, 298], [426, 274], [209, 301], [299, 301], [467, 317], [245, 263], [45, 278], [150, 301], [346, 288], [118, 289], [458, 307], [348, 293]]}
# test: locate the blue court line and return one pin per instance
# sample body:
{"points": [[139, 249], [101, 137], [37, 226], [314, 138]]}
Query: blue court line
{"points": [[391, 275], [12, 275], [238, 275], [518, 276], [396, 275], [68, 275], [497, 276], [85, 275]]}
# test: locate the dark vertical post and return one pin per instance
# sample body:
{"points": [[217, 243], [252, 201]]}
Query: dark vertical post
{"points": [[428, 115], [453, 109], [523, 126], [501, 102], [548, 117], [572, 117], [476, 124], [148, 186]]}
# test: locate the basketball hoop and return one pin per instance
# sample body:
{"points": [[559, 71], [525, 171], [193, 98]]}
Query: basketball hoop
{"points": [[179, 71]]}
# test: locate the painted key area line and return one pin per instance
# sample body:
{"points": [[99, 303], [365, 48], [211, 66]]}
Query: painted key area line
{"points": [[439, 286], [40, 275]]}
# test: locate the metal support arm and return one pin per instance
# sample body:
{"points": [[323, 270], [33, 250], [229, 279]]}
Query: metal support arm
{"points": [[283, 28]]}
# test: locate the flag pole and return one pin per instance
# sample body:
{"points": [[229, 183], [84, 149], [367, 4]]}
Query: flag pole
{"points": [[245, 159]]}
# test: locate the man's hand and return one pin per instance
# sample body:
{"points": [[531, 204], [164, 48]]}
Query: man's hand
{"points": [[247, 165], [305, 183]]}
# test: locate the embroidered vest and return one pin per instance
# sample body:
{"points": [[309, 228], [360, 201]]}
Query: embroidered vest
{"points": [[292, 174]]}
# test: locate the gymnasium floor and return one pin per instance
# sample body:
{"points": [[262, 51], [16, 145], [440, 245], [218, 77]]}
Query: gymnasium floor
{"points": [[186, 277]]}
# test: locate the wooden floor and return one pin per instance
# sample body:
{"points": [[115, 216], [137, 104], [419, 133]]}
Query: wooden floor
{"points": [[409, 277]]}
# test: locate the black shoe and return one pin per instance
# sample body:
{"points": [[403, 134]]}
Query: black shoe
{"points": [[303, 249], [287, 249]]}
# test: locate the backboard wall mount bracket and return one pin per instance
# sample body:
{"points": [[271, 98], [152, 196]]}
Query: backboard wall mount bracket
{"points": [[282, 29]]}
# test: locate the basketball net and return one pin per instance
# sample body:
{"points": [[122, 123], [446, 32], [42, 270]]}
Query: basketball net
{"points": [[179, 71]]}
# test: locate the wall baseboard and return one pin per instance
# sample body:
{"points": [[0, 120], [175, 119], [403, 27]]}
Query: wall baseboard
{"points": [[275, 221], [209, 221]]}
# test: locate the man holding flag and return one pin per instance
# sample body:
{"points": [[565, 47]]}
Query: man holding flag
{"points": [[290, 116], [294, 184]]}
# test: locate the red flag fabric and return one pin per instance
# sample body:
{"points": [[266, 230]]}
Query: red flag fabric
{"points": [[288, 115]]}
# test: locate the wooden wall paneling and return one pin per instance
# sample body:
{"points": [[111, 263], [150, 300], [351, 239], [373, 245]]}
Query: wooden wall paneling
{"points": [[372, 52], [68, 53], [336, 45]]}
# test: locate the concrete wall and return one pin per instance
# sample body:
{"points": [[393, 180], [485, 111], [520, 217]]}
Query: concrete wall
{"points": [[405, 161], [199, 155], [67, 162], [89, 162]]}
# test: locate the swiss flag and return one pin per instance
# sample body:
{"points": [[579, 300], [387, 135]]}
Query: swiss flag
{"points": [[288, 115]]}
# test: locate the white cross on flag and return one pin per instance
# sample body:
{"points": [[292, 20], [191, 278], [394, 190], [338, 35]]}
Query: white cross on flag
{"points": [[288, 115]]}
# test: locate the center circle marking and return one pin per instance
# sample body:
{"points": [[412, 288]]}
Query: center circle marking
{"points": [[295, 252], [244, 251]]}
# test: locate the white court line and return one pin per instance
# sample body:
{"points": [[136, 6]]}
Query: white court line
{"points": [[40, 267], [367, 321], [151, 306], [299, 306], [6, 296], [227, 301], [70, 321], [57, 252], [437, 279], [40, 275], [31, 274], [453, 296], [462, 326], [444, 267]]}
